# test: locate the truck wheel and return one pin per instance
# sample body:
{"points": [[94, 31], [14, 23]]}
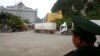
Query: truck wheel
{"points": [[51, 32], [62, 33]]}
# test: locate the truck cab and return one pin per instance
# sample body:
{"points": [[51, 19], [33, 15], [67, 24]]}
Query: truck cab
{"points": [[63, 29]]}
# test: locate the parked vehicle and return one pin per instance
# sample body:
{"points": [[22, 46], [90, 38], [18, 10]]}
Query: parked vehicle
{"points": [[48, 27], [96, 21], [63, 28]]}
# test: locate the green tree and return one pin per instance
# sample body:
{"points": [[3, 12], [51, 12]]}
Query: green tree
{"points": [[15, 21], [26, 21], [71, 8], [10, 20], [74, 7], [58, 22], [93, 10], [4, 17], [61, 21]]}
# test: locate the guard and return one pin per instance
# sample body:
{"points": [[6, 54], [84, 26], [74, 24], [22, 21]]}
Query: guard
{"points": [[84, 36]]}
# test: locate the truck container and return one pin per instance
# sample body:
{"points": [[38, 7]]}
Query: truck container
{"points": [[48, 27]]}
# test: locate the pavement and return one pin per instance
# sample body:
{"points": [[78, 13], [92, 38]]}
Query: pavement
{"points": [[29, 43]]}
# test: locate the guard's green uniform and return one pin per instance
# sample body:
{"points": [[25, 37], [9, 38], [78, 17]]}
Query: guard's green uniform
{"points": [[84, 27], [85, 51]]}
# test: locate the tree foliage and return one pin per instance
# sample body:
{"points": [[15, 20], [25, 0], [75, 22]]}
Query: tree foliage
{"points": [[61, 21], [4, 17], [15, 21], [26, 21], [10, 20], [58, 22], [74, 7], [71, 8], [93, 10]]}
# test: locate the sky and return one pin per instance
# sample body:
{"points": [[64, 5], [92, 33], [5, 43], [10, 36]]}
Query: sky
{"points": [[43, 6]]}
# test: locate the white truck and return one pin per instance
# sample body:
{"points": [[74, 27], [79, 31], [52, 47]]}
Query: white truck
{"points": [[63, 29], [48, 27], [96, 21]]}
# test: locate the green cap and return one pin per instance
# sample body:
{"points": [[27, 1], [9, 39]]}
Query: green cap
{"points": [[83, 26]]}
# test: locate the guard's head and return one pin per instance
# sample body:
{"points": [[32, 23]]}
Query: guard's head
{"points": [[84, 31]]}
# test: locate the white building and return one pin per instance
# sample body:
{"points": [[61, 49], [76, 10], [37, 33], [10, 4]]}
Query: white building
{"points": [[22, 11]]}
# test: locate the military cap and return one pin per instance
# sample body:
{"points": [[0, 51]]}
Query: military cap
{"points": [[84, 26]]}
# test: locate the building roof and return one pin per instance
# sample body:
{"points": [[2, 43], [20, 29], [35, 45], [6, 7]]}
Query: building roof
{"points": [[20, 3]]}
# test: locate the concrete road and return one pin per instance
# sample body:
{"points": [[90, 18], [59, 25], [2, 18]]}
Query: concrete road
{"points": [[34, 44]]}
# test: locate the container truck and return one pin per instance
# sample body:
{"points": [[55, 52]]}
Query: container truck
{"points": [[49, 27], [63, 29], [96, 22]]}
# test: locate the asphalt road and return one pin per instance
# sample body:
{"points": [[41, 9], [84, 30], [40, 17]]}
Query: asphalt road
{"points": [[35, 44]]}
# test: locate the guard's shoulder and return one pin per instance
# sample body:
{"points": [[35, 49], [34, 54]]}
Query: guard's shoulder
{"points": [[69, 54], [98, 51]]}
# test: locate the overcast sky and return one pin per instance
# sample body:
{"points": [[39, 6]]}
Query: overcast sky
{"points": [[43, 6]]}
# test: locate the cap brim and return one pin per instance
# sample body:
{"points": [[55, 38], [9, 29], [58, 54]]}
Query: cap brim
{"points": [[86, 25]]}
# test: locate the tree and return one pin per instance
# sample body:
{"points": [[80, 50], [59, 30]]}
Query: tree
{"points": [[58, 22], [15, 21], [71, 8], [93, 10], [26, 21], [74, 7], [4, 17], [8, 20], [61, 21]]}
